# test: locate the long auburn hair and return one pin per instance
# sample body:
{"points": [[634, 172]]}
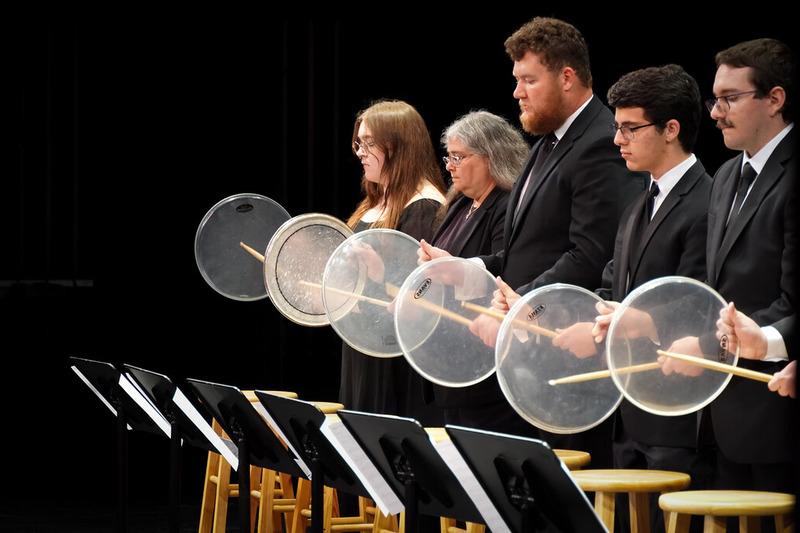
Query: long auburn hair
{"points": [[399, 131]]}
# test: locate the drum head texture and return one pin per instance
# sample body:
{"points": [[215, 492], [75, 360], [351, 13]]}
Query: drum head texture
{"points": [[246, 218], [294, 264], [362, 277], [546, 335], [676, 315], [432, 314]]}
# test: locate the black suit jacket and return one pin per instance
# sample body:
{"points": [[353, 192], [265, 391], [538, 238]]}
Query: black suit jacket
{"points": [[753, 266], [565, 229], [486, 237], [674, 244]]}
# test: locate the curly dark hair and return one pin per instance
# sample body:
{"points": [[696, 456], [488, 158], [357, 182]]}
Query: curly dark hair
{"points": [[664, 93], [557, 43]]}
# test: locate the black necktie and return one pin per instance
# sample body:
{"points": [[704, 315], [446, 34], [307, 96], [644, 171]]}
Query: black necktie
{"points": [[548, 143], [651, 200], [746, 179]]}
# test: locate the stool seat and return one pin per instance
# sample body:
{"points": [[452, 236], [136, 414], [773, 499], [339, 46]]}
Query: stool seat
{"points": [[574, 459], [727, 502], [251, 395], [328, 407], [638, 484], [630, 480]]}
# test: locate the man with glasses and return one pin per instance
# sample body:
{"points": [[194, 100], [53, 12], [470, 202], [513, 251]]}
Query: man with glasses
{"points": [[751, 252], [565, 207]]}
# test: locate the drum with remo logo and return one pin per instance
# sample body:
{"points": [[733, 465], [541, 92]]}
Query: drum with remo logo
{"points": [[669, 315], [219, 244], [433, 311], [295, 261], [546, 335], [361, 279]]}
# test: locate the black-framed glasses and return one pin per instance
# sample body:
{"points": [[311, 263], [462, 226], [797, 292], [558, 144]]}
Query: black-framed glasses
{"points": [[723, 103], [629, 132], [455, 159], [365, 145]]}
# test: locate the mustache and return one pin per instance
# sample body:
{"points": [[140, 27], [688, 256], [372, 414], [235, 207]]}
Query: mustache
{"points": [[722, 123]]}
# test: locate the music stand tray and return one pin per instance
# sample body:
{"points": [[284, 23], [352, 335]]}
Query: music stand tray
{"points": [[525, 480]]}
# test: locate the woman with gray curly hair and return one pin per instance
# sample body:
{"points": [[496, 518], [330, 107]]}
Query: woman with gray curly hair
{"points": [[485, 154]]}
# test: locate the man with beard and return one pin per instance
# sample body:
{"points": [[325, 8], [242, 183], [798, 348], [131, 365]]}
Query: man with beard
{"points": [[564, 209]]}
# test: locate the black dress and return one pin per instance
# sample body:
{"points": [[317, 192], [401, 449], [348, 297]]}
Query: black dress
{"points": [[389, 386]]}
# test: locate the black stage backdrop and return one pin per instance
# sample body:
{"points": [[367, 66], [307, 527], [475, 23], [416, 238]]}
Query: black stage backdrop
{"points": [[125, 130]]}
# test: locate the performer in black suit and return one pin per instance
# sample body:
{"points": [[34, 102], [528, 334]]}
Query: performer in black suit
{"points": [[565, 207], [750, 253]]}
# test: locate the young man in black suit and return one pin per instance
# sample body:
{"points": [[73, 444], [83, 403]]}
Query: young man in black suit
{"points": [[565, 207], [750, 254]]}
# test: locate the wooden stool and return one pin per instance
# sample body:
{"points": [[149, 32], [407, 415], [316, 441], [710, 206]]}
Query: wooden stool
{"points": [[639, 484], [717, 505], [574, 459], [217, 487]]}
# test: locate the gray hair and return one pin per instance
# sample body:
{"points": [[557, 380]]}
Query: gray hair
{"points": [[489, 135]]}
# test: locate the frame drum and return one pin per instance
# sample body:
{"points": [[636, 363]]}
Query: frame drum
{"points": [[433, 311], [675, 314], [294, 264], [362, 277], [530, 353], [248, 218]]}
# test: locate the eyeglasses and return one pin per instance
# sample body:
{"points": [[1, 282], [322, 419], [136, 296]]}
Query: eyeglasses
{"points": [[629, 132], [363, 145], [455, 159], [723, 103]]}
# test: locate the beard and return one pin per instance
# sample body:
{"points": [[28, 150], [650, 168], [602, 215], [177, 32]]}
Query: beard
{"points": [[544, 121]]}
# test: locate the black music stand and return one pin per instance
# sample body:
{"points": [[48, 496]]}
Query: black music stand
{"points": [[126, 402], [301, 422], [405, 455], [162, 392], [527, 483], [255, 441]]}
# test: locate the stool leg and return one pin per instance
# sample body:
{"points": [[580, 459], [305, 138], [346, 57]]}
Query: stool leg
{"points": [[221, 498], [445, 524], [714, 524], [287, 488], [677, 522], [604, 507], [749, 524], [302, 500], [472, 527], [784, 523], [639, 510], [266, 519], [209, 493]]}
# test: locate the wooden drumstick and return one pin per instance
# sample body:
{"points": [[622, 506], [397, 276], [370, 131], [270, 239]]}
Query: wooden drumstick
{"points": [[719, 367], [251, 251], [367, 299], [499, 315], [602, 374]]}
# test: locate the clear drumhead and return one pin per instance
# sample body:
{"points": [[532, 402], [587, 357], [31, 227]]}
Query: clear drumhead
{"points": [[226, 266], [674, 315], [362, 277], [294, 264], [433, 311], [545, 336]]}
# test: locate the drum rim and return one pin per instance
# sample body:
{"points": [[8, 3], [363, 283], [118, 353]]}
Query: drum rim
{"points": [[270, 263]]}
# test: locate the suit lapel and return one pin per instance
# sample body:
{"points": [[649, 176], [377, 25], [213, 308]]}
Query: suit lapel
{"points": [[716, 224], [684, 185], [513, 198], [574, 132], [770, 175], [477, 219], [622, 271]]}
